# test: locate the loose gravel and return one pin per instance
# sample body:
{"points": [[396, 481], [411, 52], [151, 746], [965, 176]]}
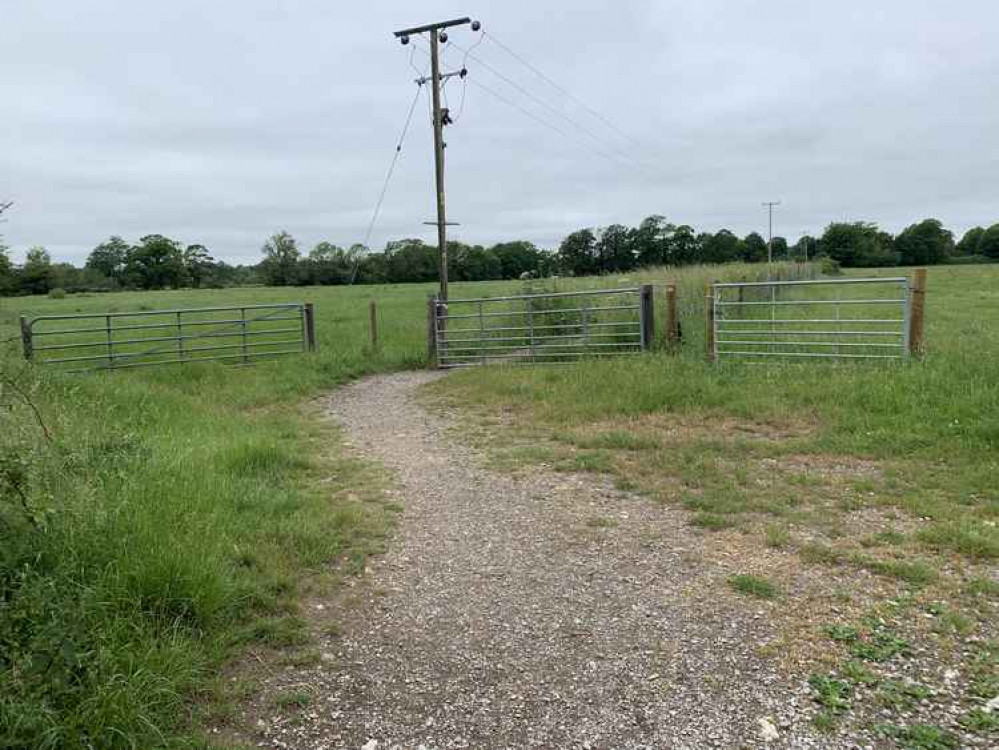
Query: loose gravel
{"points": [[539, 609]]}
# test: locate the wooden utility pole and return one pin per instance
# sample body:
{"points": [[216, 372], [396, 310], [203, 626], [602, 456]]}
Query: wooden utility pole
{"points": [[438, 36], [435, 84], [769, 205]]}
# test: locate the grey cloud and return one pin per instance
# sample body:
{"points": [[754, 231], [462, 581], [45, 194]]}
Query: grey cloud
{"points": [[222, 122]]}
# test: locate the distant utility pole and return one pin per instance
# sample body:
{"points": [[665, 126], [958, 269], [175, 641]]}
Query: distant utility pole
{"points": [[804, 242], [769, 205], [440, 119]]}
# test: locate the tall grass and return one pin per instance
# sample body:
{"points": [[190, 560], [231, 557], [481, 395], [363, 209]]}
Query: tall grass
{"points": [[934, 422], [170, 516]]}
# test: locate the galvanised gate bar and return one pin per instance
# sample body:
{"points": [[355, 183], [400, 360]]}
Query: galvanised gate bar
{"points": [[866, 318], [121, 340], [552, 327]]}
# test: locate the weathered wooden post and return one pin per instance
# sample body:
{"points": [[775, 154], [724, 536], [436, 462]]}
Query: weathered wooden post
{"points": [[432, 332], [310, 326], [26, 341], [647, 312], [709, 322], [373, 323], [917, 346], [672, 324]]}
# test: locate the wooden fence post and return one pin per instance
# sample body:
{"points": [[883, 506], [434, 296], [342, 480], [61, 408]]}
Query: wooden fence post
{"points": [[432, 332], [26, 340], [310, 326], [648, 315], [373, 323], [917, 346], [672, 324], [709, 322]]}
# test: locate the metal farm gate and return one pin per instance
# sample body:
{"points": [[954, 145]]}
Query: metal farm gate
{"points": [[554, 327], [868, 318], [120, 340]]}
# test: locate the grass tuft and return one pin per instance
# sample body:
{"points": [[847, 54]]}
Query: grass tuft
{"points": [[753, 585]]}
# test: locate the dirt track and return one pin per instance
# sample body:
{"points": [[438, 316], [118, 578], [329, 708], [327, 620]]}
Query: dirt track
{"points": [[542, 610]]}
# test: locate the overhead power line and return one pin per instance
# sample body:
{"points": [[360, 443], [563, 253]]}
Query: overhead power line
{"points": [[620, 158], [391, 169], [388, 177], [559, 88], [549, 108], [541, 102], [541, 121]]}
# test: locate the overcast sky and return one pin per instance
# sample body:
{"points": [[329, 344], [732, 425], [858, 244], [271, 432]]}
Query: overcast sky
{"points": [[220, 122]]}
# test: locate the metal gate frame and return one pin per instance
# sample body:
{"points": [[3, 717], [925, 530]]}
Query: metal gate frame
{"points": [[171, 341], [826, 337], [535, 341]]}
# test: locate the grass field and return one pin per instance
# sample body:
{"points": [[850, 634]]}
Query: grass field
{"points": [[881, 478], [175, 514]]}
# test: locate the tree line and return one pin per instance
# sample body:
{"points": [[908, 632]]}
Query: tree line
{"points": [[159, 262]]}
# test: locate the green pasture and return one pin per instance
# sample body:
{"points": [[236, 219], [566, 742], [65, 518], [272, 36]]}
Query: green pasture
{"points": [[155, 522]]}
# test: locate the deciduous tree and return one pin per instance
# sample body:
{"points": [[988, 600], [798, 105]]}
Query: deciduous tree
{"points": [[280, 264], [577, 254], [109, 258], [36, 275], [858, 244], [970, 241], [754, 248], [925, 243], [989, 244], [198, 264], [157, 262]]}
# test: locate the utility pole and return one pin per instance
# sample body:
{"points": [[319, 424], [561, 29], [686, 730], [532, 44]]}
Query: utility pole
{"points": [[769, 205], [438, 36], [804, 242]]}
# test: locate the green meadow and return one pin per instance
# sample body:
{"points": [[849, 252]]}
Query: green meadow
{"points": [[157, 523]]}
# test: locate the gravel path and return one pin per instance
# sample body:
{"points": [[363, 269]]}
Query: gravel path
{"points": [[541, 610]]}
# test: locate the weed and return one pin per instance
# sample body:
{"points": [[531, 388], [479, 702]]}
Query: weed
{"points": [[882, 539], [901, 695], [752, 585], [599, 522], [778, 537], [825, 721], [292, 699], [712, 521], [842, 633], [983, 588], [916, 573], [979, 720], [832, 694], [858, 673], [617, 440], [918, 736], [879, 646], [821, 554], [586, 461], [966, 536], [951, 621]]}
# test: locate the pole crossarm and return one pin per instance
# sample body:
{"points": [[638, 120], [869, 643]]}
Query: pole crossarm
{"points": [[444, 76], [432, 27]]}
